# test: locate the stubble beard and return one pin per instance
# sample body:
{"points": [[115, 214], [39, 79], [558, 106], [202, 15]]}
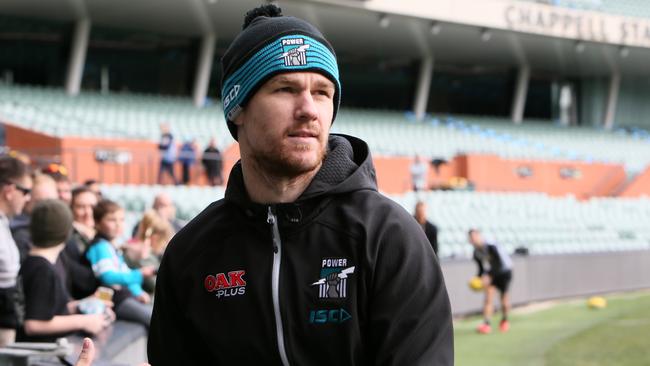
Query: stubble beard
{"points": [[282, 163]]}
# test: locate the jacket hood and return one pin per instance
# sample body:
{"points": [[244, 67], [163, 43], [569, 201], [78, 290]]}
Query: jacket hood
{"points": [[347, 167]]}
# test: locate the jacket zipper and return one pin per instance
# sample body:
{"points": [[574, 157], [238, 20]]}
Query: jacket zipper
{"points": [[275, 284]]}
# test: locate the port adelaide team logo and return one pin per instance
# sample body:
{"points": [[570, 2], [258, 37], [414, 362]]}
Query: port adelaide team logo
{"points": [[226, 284], [333, 282], [294, 52]]}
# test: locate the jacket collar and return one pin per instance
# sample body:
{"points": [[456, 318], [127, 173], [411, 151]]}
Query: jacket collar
{"points": [[346, 168]]}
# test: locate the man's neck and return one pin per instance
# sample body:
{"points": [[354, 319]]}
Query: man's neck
{"points": [[51, 254], [264, 187]]}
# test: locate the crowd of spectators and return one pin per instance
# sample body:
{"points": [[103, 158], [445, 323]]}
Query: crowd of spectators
{"points": [[63, 265], [187, 155]]}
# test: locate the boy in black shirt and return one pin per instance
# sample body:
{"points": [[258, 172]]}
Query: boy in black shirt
{"points": [[49, 311]]}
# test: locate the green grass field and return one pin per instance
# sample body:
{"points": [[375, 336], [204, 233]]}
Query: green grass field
{"points": [[564, 334]]}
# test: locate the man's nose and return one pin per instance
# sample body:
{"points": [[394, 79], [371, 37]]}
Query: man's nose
{"points": [[306, 107]]}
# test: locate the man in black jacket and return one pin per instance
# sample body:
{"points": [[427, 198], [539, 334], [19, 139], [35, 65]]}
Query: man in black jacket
{"points": [[430, 230], [303, 262]]}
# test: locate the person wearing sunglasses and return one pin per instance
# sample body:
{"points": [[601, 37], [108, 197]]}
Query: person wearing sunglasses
{"points": [[15, 190]]}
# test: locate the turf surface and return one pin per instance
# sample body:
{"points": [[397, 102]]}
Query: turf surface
{"points": [[563, 334]]}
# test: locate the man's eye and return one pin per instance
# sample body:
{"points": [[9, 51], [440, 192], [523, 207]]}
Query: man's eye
{"points": [[325, 93]]}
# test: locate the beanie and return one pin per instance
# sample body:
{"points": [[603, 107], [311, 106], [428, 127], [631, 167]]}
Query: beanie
{"points": [[50, 224], [270, 44]]}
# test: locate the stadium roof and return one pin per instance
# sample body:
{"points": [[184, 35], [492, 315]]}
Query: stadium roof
{"points": [[353, 26]]}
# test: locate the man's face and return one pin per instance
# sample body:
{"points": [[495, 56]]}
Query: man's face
{"points": [[475, 239], [41, 190], [285, 126], [82, 208], [165, 207], [20, 195], [420, 211], [65, 191]]}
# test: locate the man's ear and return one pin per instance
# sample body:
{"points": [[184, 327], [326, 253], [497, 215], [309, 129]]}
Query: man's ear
{"points": [[5, 191], [239, 120]]}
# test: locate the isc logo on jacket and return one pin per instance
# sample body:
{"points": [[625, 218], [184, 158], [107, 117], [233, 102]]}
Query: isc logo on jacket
{"points": [[226, 285], [333, 282]]}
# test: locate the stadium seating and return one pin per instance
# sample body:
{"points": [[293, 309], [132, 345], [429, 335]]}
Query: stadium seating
{"points": [[125, 116], [540, 223], [131, 116], [386, 131], [535, 221]]}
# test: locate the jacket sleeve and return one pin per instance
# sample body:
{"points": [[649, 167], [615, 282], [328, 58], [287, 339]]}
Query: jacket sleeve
{"points": [[172, 340], [410, 314], [104, 266]]}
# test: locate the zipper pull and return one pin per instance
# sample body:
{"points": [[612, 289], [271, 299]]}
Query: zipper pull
{"points": [[270, 218]]}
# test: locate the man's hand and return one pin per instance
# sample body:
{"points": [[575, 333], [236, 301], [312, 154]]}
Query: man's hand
{"points": [[148, 271], [487, 281], [95, 323], [333, 281], [87, 353], [144, 298]]}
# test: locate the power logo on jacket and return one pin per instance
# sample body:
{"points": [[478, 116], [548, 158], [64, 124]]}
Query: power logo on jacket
{"points": [[332, 285], [333, 282], [226, 285]]}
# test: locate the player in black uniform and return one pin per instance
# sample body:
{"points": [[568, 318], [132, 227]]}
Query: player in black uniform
{"points": [[495, 269]]}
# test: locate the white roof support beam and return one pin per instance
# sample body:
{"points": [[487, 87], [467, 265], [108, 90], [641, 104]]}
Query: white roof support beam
{"points": [[519, 97], [204, 68], [423, 87], [612, 100], [78, 51]]}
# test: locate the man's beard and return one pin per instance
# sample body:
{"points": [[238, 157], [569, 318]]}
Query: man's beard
{"points": [[282, 164]]}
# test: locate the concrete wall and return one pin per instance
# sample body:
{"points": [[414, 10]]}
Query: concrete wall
{"points": [[539, 278], [633, 108]]}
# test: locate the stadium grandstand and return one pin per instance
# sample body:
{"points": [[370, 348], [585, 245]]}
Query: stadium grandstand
{"points": [[533, 114]]}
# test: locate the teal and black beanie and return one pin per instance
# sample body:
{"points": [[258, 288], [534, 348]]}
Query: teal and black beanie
{"points": [[270, 44]]}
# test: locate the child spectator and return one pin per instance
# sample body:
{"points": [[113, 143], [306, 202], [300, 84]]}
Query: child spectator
{"points": [[131, 301], [49, 311], [148, 245]]}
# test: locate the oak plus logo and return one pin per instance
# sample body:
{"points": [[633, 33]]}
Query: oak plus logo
{"points": [[226, 285]]}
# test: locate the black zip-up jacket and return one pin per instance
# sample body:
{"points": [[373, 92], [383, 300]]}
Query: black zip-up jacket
{"points": [[342, 276]]}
